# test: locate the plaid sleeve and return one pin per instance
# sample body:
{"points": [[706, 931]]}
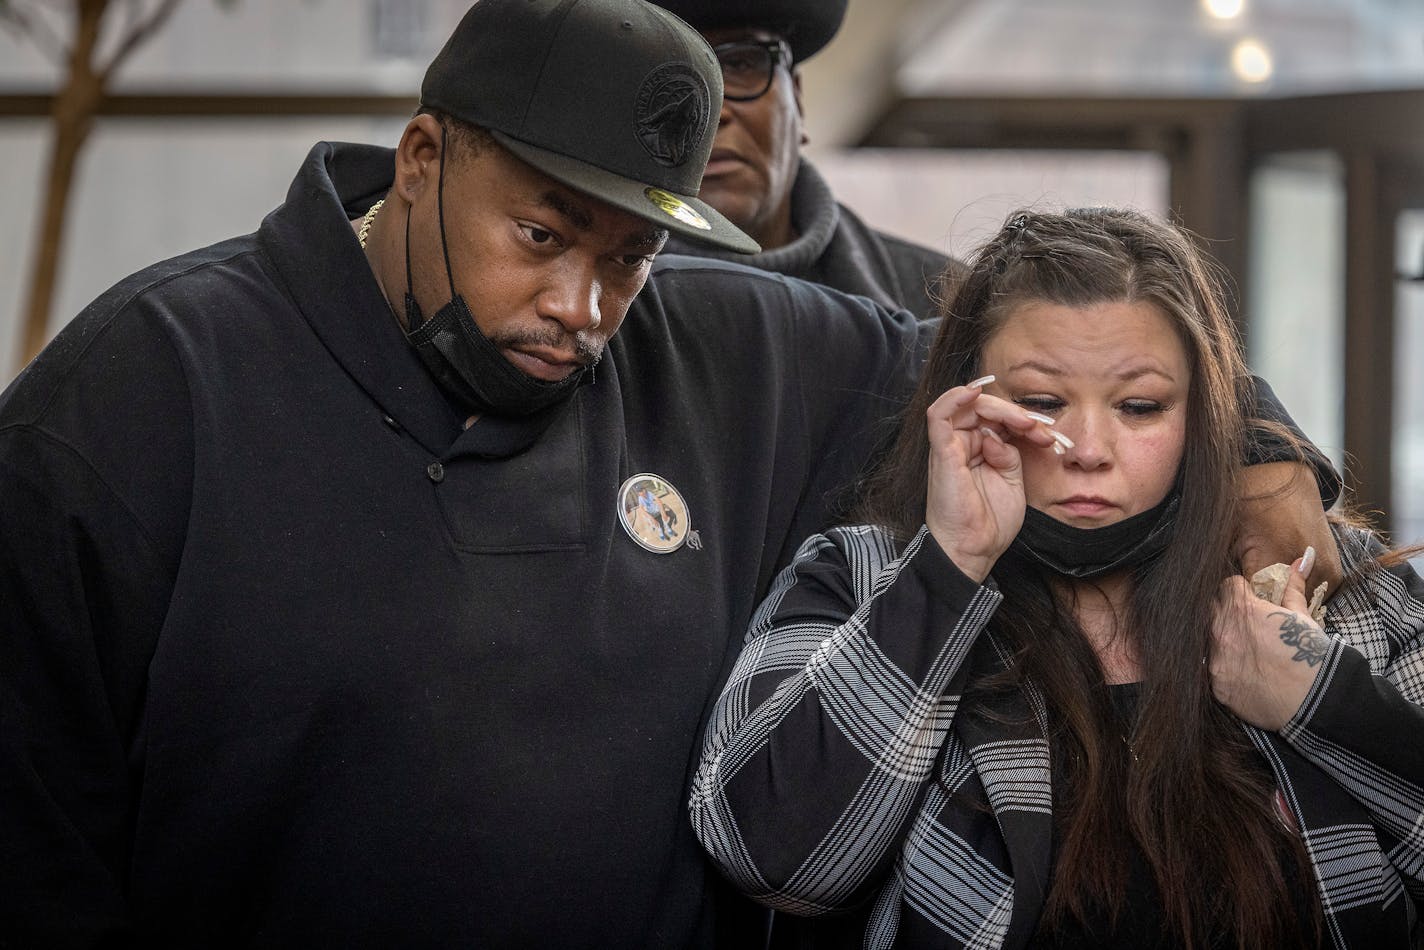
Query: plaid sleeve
{"points": [[827, 731], [1362, 722]]}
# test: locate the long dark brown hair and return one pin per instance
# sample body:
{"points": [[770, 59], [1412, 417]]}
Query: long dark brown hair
{"points": [[1195, 796]]}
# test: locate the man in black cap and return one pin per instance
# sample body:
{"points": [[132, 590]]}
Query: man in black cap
{"points": [[323, 621], [757, 177]]}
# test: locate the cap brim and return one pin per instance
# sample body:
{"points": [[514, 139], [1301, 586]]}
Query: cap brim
{"points": [[806, 25], [686, 215]]}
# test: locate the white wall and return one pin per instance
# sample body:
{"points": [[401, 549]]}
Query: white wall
{"points": [[1297, 288], [954, 200]]}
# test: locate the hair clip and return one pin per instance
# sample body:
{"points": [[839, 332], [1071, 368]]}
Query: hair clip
{"points": [[1012, 232]]}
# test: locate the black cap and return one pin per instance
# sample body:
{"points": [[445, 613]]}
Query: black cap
{"points": [[806, 25], [615, 98]]}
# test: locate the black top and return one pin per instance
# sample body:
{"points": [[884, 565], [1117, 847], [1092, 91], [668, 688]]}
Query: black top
{"points": [[1138, 926], [289, 659]]}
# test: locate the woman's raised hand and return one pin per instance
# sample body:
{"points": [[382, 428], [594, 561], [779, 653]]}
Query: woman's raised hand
{"points": [[974, 505], [1265, 657]]}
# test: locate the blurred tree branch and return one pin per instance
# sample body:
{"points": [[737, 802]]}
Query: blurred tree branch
{"points": [[85, 81]]}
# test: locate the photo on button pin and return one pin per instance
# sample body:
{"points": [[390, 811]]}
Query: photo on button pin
{"points": [[653, 513]]}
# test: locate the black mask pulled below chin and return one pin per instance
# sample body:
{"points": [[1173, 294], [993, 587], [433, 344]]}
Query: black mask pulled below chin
{"points": [[1086, 553], [462, 359], [473, 370]]}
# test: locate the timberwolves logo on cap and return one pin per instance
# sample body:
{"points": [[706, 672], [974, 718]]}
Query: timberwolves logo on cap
{"points": [[671, 113]]}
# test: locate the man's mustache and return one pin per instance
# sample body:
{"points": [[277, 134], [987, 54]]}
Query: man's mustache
{"points": [[586, 348]]}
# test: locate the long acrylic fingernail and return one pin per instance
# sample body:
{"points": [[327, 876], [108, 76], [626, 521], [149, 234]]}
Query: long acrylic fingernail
{"points": [[1058, 449], [991, 434], [982, 381], [1062, 440], [1039, 417], [1307, 560]]}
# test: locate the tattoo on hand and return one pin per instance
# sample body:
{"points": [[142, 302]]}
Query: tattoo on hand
{"points": [[1310, 642]]}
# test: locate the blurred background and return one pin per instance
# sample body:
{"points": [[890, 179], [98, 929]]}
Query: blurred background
{"points": [[1287, 133]]}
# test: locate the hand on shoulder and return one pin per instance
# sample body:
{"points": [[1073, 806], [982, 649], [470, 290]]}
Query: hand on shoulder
{"points": [[1265, 656]]}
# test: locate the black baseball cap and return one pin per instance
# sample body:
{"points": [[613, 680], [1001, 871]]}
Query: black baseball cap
{"points": [[618, 99], [806, 25]]}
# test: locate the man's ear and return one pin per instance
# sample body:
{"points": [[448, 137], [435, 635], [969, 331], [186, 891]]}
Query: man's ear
{"points": [[417, 157], [800, 110]]}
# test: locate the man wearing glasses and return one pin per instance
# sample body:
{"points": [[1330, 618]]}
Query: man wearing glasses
{"points": [[757, 177]]}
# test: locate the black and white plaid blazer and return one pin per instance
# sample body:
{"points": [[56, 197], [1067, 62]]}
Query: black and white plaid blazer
{"points": [[835, 774]]}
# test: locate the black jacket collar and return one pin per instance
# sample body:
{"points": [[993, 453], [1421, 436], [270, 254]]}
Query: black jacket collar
{"points": [[311, 245]]}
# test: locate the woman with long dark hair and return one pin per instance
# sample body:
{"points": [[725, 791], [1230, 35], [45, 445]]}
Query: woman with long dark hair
{"points": [[1029, 701]]}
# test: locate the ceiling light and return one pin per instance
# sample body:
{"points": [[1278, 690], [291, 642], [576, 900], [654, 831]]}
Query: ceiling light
{"points": [[1251, 61], [1224, 9]]}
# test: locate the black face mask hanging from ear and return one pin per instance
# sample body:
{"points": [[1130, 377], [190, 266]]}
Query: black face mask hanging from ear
{"points": [[462, 359], [1086, 553]]}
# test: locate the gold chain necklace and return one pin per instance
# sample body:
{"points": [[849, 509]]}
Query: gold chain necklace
{"points": [[366, 223]]}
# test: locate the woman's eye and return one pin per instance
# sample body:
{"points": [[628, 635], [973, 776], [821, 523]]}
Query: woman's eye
{"points": [[1044, 404], [1140, 407]]}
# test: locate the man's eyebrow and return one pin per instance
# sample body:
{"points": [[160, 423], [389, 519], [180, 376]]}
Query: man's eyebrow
{"points": [[571, 210], [652, 238]]}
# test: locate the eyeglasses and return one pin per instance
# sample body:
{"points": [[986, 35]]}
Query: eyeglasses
{"points": [[748, 67]]}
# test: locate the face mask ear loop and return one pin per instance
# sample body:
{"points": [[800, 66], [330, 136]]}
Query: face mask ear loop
{"points": [[440, 209], [413, 318]]}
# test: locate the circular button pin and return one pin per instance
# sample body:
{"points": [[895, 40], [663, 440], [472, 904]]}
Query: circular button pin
{"points": [[653, 513], [436, 471]]}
